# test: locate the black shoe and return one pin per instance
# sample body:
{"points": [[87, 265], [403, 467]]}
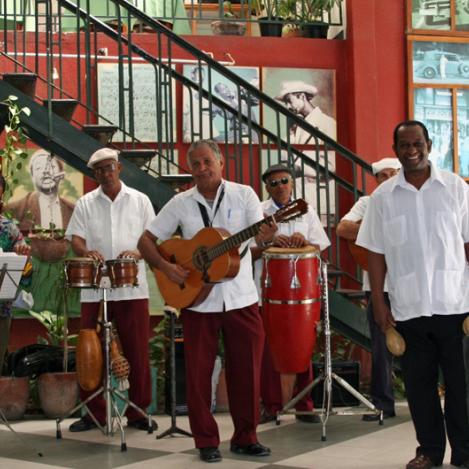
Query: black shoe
{"points": [[254, 449], [142, 424], [210, 454], [82, 425], [375, 417], [313, 418]]}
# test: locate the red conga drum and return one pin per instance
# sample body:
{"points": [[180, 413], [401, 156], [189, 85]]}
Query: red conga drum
{"points": [[291, 303]]}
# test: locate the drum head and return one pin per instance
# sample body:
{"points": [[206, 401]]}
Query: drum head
{"points": [[283, 253]]}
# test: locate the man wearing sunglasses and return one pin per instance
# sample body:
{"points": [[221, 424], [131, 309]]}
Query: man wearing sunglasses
{"points": [[106, 224], [297, 233]]}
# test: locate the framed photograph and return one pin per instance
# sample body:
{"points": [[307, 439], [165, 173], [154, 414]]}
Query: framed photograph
{"points": [[306, 180], [200, 120], [433, 107], [309, 93], [440, 62], [47, 191], [147, 110], [463, 132], [431, 14]]}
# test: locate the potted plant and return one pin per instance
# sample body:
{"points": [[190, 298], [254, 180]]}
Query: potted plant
{"points": [[270, 16], [48, 245], [58, 390], [228, 25], [308, 16], [14, 391]]}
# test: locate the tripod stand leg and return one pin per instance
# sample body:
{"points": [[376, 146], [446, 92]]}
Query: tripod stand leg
{"points": [[20, 438], [136, 407]]}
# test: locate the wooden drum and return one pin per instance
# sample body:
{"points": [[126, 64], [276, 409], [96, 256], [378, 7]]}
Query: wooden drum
{"points": [[82, 272], [122, 272], [291, 303]]}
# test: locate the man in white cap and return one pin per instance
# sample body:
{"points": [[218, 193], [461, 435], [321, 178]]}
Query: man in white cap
{"points": [[43, 207], [298, 97], [106, 224], [381, 390]]}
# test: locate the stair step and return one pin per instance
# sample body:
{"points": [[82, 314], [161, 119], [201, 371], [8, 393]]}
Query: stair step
{"points": [[138, 157], [24, 82], [62, 107], [352, 294], [176, 181], [102, 133]]}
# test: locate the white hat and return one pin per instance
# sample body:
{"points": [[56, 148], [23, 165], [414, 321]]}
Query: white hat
{"points": [[102, 154], [296, 86], [385, 163]]}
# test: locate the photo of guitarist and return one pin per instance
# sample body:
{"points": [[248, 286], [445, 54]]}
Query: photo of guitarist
{"points": [[381, 389], [230, 307]]}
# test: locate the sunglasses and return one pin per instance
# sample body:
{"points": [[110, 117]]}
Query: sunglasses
{"points": [[276, 182], [104, 169]]}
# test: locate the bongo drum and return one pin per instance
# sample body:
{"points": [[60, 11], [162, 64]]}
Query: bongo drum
{"points": [[122, 272], [291, 302], [82, 272]]}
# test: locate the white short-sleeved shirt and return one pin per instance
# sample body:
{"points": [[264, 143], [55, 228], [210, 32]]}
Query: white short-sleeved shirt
{"points": [[422, 235], [356, 214], [111, 227], [308, 225], [239, 209]]}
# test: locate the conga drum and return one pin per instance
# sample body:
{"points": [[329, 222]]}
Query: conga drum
{"points": [[291, 303]]}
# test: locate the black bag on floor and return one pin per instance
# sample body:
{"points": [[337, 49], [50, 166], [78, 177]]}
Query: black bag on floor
{"points": [[35, 359]]}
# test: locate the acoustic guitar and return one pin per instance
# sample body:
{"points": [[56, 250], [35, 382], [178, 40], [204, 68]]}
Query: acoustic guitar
{"points": [[211, 256], [359, 254]]}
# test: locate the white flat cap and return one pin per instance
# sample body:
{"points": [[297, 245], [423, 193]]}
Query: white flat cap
{"points": [[102, 154], [385, 163], [296, 86]]}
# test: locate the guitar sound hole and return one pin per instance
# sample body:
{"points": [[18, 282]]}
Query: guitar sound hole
{"points": [[200, 259]]}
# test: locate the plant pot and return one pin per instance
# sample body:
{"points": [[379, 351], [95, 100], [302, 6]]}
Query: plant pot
{"points": [[315, 30], [48, 249], [58, 393], [268, 28], [14, 395], [232, 28]]}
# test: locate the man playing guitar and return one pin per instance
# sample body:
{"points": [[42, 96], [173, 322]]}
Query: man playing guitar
{"points": [[230, 307]]}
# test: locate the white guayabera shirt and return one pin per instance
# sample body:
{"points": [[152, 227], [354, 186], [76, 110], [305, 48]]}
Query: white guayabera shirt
{"points": [[422, 235]]}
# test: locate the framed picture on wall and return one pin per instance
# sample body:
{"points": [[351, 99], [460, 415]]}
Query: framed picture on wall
{"points": [[151, 116], [202, 120], [309, 93], [46, 193], [440, 62]]}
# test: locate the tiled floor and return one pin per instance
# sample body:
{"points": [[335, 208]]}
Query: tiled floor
{"points": [[350, 444]]}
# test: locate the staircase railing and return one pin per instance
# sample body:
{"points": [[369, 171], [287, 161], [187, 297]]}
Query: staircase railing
{"points": [[188, 95]]}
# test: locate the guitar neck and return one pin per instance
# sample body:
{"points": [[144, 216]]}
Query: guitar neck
{"points": [[236, 239]]}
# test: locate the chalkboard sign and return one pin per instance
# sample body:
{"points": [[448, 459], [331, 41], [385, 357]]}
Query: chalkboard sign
{"points": [[147, 111]]}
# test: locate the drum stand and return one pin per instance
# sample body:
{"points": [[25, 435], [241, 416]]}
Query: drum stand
{"points": [[108, 390], [172, 365], [328, 376]]}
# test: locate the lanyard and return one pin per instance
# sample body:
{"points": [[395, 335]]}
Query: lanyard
{"points": [[203, 210]]}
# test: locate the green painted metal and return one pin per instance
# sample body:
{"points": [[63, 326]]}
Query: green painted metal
{"points": [[349, 320], [75, 147]]}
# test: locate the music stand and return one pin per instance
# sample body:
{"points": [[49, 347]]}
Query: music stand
{"points": [[172, 371], [10, 276], [107, 389], [327, 376]]}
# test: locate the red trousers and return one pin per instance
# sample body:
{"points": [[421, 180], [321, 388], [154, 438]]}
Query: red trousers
{"points": [[133, 326], [271, 391], [243, 336]]}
